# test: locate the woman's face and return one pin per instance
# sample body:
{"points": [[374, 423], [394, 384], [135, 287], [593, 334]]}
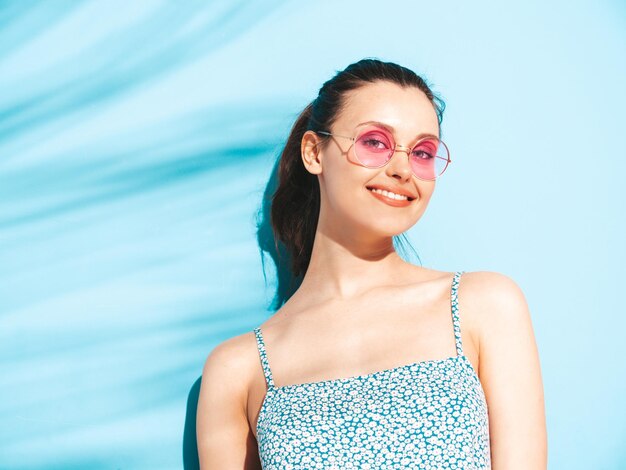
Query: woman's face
{"points": [[346, 200]]}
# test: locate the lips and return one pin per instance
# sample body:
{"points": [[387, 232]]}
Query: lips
{"points": [[402, 192], [390, 201]]}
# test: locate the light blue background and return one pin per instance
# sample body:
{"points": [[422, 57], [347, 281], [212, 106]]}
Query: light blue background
{"points": [[136, 139]]}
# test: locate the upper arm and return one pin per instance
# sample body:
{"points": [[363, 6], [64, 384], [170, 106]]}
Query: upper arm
{"points": [[509, 370], [225, 440]]}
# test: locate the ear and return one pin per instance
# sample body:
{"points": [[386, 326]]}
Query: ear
{"points": [[310, 151]]}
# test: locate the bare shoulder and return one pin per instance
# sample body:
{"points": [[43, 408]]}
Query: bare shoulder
{"points": [[493, 300], [510, 369], [223, 433], [230, 363]]}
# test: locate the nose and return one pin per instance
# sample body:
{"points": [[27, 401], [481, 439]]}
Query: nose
{"points": [[404, 170]]}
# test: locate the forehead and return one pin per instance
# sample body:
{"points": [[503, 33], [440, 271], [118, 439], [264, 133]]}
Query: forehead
{"points": [[407, 110]]}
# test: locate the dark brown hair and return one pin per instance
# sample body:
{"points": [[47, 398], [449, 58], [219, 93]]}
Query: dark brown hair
{"points": [[295, 204]]}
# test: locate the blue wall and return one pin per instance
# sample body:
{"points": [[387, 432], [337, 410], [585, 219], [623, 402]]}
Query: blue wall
{"points": [[137, 139]]}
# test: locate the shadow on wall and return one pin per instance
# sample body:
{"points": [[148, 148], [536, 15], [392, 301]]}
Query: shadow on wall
{"points": [[190, 443]]}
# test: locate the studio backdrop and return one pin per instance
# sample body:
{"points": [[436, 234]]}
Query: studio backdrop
{"points": [[137, 149]]}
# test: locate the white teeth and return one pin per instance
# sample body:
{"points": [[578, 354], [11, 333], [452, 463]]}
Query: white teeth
{"points": [[389, 194]]}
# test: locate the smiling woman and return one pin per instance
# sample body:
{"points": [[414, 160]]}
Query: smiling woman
{"points": [[379, 363]]}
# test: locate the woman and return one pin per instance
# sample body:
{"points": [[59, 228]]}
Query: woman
{"points": [[375, 362]]}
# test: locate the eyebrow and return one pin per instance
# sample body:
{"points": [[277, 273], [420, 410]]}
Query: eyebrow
{"points": [[391, 129]]}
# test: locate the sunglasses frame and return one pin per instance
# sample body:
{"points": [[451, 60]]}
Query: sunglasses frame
{"points": [[395, 149]]}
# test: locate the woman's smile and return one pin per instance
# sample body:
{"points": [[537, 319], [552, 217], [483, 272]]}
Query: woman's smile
{"points": [[392, 199]]}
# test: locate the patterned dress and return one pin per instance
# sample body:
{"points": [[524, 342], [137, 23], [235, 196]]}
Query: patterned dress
{"points": [[429, 415]]}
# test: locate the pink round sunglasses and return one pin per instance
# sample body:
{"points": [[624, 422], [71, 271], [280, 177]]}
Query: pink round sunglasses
{"points": [[373, 148]]}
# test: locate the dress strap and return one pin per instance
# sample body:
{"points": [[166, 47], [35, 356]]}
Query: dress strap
{"points": [[455, 312], [263, 354]]}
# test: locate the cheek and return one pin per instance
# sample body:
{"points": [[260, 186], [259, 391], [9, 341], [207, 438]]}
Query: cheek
{"points": [[425, 189], [343, 177], [345, 190]]}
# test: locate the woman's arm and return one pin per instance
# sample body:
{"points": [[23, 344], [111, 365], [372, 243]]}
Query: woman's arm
{"points": [[225, 440], [509, 371]]}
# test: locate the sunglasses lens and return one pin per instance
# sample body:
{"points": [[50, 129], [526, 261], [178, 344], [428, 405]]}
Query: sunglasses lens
{"points": [[429, 159], [373, 148]]}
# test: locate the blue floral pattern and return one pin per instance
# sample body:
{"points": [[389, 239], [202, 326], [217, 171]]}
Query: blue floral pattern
{"points": [[428, 415]]}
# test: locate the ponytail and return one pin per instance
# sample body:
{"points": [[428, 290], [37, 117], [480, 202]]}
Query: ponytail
{"points": [[296, 202]]}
